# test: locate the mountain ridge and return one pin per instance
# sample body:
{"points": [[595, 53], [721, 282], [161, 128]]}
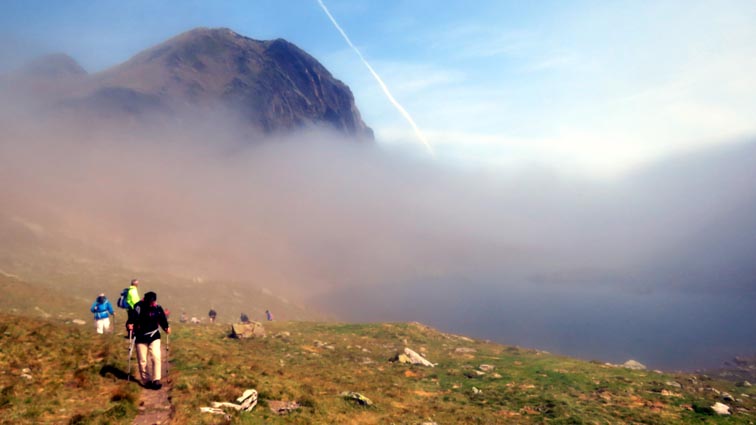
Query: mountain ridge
{"points": [[272, 86]]}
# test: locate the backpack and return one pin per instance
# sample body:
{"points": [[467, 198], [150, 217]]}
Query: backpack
{"points": [[122, 299]]}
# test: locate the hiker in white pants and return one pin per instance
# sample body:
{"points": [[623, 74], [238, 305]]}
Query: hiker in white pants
{"points": [[102, 310], [148, 356], [145, 320]]}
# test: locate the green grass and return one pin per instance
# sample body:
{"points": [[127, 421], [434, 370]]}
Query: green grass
{"points": [[66, 365], [313, 363], [534, 387]]}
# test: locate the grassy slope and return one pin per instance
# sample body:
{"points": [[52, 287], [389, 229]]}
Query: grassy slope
{"points": [[533, 387], [71, 383], [65, 363], [31, 300]]}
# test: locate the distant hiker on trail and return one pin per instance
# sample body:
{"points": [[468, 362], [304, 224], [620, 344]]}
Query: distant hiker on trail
{"points": [[102, 311], [145, 320], [244, 318], [133, 296], [184, 318], [212, 315], [269, 315]]}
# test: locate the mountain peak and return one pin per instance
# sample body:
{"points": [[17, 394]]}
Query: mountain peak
{"points": [[274, 85]]}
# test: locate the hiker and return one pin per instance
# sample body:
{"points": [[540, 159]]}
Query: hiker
{"points": [[184, 318], [145, 320], [133, 296], [269, 315], [102, 311], [212, 315], [244, 318]]}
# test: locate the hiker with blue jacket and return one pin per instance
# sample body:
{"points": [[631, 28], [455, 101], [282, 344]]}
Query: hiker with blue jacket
{"points": [[145, 321], [102, 311]]}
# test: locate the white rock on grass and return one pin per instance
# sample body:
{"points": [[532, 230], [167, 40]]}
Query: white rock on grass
{"points": [[410, 356], [634, 365], [721, 409]]}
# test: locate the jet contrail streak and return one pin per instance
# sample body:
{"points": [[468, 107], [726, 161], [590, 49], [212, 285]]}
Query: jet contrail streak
{"points": [[390, 97]]}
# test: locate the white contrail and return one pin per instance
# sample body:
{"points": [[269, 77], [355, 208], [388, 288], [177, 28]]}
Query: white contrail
{"points": [[390, 97]]}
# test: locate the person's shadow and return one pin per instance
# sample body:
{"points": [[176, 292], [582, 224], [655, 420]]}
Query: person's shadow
{"points": [[114, 372]]}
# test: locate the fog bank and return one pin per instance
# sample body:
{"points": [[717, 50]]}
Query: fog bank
{"points": [[657, 266]]}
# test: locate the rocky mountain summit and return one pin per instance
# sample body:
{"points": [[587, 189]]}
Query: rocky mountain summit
{"points": [[272, 86]]}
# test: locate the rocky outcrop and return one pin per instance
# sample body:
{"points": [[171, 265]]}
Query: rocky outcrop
{"points": [[740, 369], [247, 330]]}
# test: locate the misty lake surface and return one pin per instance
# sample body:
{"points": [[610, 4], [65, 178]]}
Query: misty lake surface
{"points": [[663, 330]]}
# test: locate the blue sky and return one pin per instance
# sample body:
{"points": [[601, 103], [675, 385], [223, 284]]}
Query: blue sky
{"points": [[591, 87]]}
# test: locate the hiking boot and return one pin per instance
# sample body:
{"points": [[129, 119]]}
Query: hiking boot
{"points": [[156, 385]]}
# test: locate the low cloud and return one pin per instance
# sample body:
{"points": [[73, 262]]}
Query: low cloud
{"points": [[655, 265]]}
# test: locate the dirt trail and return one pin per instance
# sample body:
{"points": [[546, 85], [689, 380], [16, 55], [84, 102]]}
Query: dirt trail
{"points": [[155, 406]]}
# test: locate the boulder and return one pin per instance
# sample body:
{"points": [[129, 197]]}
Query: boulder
{"points": [[78, 322], [486, 367], [634, 365], [721, 409], [417, 358], [357, 397], [410, 356], [247, 330]]}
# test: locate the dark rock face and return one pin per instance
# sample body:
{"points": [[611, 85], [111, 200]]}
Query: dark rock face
{"points": [[272, 85]]}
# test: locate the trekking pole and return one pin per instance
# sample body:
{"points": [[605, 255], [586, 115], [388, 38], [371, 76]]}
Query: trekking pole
{"points": [[167, 353], [131, 350]]}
